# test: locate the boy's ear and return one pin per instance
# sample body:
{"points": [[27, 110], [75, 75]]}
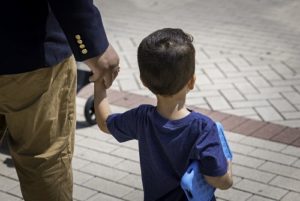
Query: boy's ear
{"points": [[191, 83]]}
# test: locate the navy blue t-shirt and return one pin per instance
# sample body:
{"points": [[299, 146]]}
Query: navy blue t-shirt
{"points": [[167, 147]]}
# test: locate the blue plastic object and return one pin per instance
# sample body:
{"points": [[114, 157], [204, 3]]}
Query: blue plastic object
{"points": [[193, 182]]}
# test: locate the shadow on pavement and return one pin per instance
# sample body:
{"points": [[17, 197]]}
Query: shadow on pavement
{"points": [[4, 150]]}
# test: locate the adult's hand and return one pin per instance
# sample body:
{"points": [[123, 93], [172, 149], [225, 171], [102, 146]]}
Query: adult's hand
{"points": [[104, 67]]}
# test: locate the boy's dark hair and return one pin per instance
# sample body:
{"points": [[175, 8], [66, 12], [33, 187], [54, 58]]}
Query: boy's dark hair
{"points": [[166, 60]]}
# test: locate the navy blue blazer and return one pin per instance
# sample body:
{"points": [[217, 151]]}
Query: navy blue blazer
{"points": [[38, 34]]}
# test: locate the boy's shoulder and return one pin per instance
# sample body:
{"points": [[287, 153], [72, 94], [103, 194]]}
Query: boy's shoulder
{"points": [[202, 117]]}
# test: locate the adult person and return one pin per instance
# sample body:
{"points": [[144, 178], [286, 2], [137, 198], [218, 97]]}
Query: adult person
{"points": [[39, 40]]}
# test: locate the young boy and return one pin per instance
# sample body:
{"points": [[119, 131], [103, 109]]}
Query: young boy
{"points": [[170, 136]]}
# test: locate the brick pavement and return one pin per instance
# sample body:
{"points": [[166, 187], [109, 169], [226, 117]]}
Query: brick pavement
{"points": [[248, 78], [108, 171], [247, 51]]}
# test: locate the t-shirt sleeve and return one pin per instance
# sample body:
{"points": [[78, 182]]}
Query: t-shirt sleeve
{"points": [[123, 126], [208, 150]]}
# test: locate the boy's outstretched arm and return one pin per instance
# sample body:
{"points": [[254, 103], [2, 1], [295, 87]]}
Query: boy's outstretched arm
{"points": [[222, 182], [102, 108]]}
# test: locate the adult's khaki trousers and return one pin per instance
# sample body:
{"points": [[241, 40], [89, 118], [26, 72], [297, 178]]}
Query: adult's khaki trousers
{"points": [[38, 110]]}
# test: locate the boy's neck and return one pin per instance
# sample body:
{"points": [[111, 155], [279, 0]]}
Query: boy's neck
{"points": [[172, 107]]}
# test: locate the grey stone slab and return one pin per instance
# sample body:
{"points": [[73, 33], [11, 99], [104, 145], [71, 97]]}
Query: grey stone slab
{"points": [[133, 181], [104, 172], [81, 193], [16, 191], [281, 169], [126, 153], [135, 195], [261, 189], [247, 161], [103, 197], [96, 157], [268, 113], [282, 105], [97, 145], [232, 194], [292, 150], [291, 196], [273, 156], [8, 197], [81, 177], [129, 166], [240, 148], [7, 184], [108, 187], [286, 183], [252, 174], [218, 103], [259, 198], [78, 163], [263, 144]]}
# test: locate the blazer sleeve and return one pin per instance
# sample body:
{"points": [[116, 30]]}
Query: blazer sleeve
{"points": [[82, 24]]}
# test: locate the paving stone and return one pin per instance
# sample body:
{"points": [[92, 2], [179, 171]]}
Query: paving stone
{"points": [[135, 195], [214, 73], [81, 193], [128, 84], [16, 191], [258, 82], [264, 144], [296, 164], [291, 115], [268, 113], [246, 88], [262, 96], [78, 163], [7, 184], [233, 137], [261, 189], [127, 153], [218, 103], [289, 123], [104, 172], [280, 169], [108, 187], [129, 166], [286, 183], [249, 104], [241, 112], [242, 149], [97, 157], [291, 196], [293, 97], [103, 197], [80, 177], [270, 75], [252, 174], [97, 145], [133, 181], [273, 156], [8, 197], [282, 105], [232, 194], [247, 161], [259, 198]]}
